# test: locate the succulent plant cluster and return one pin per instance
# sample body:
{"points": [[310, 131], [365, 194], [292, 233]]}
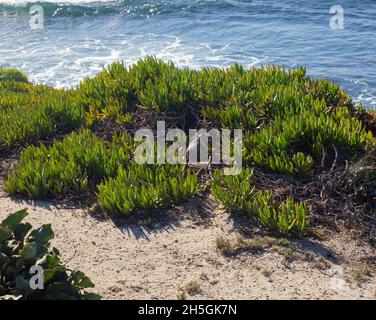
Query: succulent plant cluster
{"points": [[238, 193], [70, 165], [140, 187], [30, 112], [290, 123], [11, 74]]}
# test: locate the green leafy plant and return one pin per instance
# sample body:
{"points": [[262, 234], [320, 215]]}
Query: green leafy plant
{"points": [[289, 121], [106, 95], [31, 112], [21, 248], [140, 187], [291, 144], [71, 165], [237, 193], [10, 74], [234, 191], [286, 217]]}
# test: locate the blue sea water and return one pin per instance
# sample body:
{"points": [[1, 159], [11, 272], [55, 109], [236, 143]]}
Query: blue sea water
{"points": [[81, 36]]}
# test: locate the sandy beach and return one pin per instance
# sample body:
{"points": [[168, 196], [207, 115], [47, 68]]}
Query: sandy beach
{"points": [[172, 258]]}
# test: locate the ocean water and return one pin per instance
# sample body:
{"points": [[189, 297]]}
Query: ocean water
{"points": [[81, 36]]}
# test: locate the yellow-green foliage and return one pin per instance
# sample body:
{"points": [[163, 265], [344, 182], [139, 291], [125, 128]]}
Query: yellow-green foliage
{"points": [[237, 193], [291, 143], [286, 217], [287, 117], [11, 74], [69, 165], [146, 186], [106, 95], [233, 117], [162, 87], [234, 191], [288, 120], [31, 112], [150, 84]]}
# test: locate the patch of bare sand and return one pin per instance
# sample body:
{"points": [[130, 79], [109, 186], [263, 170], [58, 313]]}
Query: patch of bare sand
{"points": [[130, 261]]}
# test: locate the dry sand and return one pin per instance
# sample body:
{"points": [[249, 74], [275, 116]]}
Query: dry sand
{"points": [[132, 261]]}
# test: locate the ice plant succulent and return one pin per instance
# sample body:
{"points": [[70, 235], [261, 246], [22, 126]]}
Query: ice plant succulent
{"points": [[238, 193], [140, 187], [290, 123]]}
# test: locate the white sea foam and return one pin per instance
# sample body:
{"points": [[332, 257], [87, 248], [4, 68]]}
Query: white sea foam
{"points": [[24, 2]]}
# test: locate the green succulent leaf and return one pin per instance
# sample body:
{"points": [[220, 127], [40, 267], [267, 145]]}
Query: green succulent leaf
{"points": [[14, 219], [5, 234], [29, 251], [42, 235], [82, 281]]}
